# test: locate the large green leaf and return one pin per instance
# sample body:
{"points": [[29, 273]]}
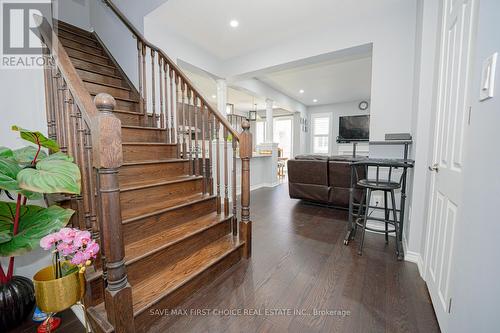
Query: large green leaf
{"points": [[27, 154], [9, 170], [8, 174], [5, 152], [51, 176], [34, 224], [5, 236], [59, 156], [37, 138]]}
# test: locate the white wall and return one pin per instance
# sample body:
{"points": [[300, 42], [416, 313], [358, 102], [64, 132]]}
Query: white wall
{"points": [[75, 12], [115, 35], [22, 94], [392, 32], [335, 111], [476, 272], [176, 47]]}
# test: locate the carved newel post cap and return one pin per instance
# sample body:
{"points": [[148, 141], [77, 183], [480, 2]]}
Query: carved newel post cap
{"points": [[104, 102], [245, 124]]}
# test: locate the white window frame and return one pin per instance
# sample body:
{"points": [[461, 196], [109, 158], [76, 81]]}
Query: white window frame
{"points": [[329, 135]]}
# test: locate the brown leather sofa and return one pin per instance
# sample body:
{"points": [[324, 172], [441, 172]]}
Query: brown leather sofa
{"points": [[322, 179]]}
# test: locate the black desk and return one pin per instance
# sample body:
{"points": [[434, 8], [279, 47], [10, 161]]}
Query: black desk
{"points": [[395, 163]]}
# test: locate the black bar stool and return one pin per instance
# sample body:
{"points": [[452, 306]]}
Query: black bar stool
{"points": [[386, 185]]}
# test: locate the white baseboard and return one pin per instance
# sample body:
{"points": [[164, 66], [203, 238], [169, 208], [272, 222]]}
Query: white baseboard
{"points": [[256, 187], [414, 257]]}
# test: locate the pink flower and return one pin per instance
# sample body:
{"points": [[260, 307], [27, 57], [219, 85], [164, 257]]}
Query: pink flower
{"points": [[49, 240], [67, 234], [79, 259], [82, 238], [66, 249], [92, 249]]}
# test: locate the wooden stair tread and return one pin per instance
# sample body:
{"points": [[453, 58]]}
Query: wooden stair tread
{"points": [[145, 184], [144, 127], [123, 98], [71, 26], [148, 144], [104, 57], [135, 113], [168, 237], [106, 84], [159, 206], [87, 35], [170, 160], [83, 68], [155, 287], [174, 203], [90, 62], [65, 39]]}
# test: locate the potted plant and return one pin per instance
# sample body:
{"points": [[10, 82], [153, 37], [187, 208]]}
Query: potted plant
{"points": [[61, 285], [26, 174]]}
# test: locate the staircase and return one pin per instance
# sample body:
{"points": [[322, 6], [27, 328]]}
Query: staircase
{"points": [[165, 224]]}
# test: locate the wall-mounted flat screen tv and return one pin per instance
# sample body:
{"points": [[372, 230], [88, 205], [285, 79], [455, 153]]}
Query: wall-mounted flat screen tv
{"points": [[354, 128]]}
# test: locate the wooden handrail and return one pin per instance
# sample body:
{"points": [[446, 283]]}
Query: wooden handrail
{"points": [[140, 37]]}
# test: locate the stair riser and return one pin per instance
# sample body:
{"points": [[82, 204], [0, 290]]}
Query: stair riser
{"points": [[80, 46], [136, 202], [144, 135], [152, 172], [144, 321], [157, 223], [84, 39], [94, 89], [127, 105], [89, 57], [144, 152], [171, 255], [94, 292], [62, 26], [83, 65], [99, 78], [129, 119]]}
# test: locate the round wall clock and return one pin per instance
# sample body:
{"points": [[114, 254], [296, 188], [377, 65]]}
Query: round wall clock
{"points": [[363, 105]]}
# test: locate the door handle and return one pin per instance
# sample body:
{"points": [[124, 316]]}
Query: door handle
{"points": [[434, 167]]}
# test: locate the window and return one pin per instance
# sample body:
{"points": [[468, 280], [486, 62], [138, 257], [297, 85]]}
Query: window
{"points": [[320, 134], [260, 135]]}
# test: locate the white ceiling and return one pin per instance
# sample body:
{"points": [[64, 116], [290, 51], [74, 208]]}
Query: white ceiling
{"points": [[331, 81], [242, 101], [262, 23]]}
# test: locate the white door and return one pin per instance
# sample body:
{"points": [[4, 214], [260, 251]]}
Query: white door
{"points": [[451, 117]]}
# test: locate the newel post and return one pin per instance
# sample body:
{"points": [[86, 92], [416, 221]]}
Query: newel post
{"points": [[107, 158], [245, 155]]}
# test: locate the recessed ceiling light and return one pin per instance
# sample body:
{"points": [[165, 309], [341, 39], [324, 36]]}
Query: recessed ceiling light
{"points": [[214, 96], [315, 100], [301, 91], [234, 23]]}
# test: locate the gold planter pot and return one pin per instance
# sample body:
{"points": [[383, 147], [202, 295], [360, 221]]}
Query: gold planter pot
{"points": [[56, 295]]}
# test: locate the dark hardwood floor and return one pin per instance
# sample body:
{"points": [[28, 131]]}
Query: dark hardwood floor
{"points": [[299, 263]]}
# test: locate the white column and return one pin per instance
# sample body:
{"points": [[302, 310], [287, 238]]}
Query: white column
{"points": [[269, 120], [221, 96]]}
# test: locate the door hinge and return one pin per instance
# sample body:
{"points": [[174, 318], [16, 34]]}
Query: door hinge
{"points": [[470, 111], [449, 305]]}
